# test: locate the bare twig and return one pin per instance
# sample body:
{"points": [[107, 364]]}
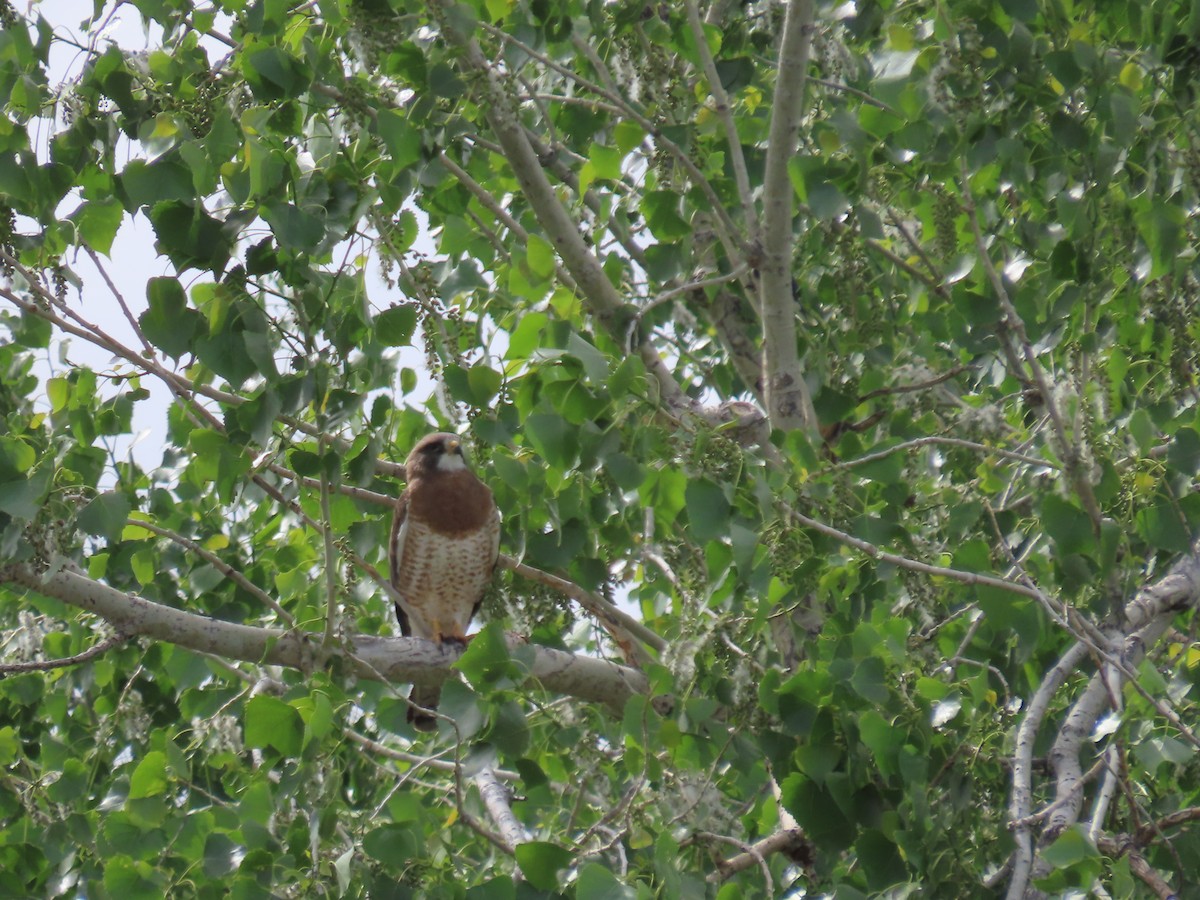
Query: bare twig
{"points": [[217, 563], [790, 841], [1012, 322], [561, 229], [912, 565], [669, 295], [724, 110], [606, 612], [46, 665], [915, 387], [943, 441], [330, 567]]}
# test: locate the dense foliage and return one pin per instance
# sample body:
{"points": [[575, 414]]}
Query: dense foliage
{"points": [[834, 367]]}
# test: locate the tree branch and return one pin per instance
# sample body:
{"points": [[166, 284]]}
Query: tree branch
{"points": [[1022, 779], [905, 446], [790, 841], [46, 665], [724, 312], [497, 798], [373, 658], [724, 111], [788, 402], [912, 565], [1011, 320], [561, 229], [1147, 616]]}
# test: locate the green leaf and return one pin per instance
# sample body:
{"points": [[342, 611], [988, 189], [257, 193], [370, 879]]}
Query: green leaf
{"points": [[526, 337], [869, 681], [1161, 225], [149, 779], [190, 237], [817, 812], [144, 563], [595, 363], [391, 844], [58, 392], [1161, 525], [661, 209], [464, 706], [132, 880], [1071, 847], [10, 746], [274, 74], [221, 855], [606, 161], [881, 859], [707, 508], [1067, 525], [98, 222], [736, 73], [105, 516], [269, 722], [169, 324], [553, 438], [16, 457], [150, 184], [1184, 452], [541, 861], [394, 327], [540, 255], [815, 185], [486, 661], [597, 883], [402, 140], [294, 227], [484, 383]]}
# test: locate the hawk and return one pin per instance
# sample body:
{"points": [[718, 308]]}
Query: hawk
{"points": [[443, 548]]}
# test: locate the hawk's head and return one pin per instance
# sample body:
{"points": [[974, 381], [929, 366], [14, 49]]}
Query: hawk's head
{"points": [[440, 452]]}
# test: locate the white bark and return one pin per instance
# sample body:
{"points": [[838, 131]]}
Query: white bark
{"points": [[789, 404], [399, 660], [497, 797], [1147, 617]]}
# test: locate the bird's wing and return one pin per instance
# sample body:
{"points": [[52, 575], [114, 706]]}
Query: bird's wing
{"points": [[395, 553], [494, 526]]}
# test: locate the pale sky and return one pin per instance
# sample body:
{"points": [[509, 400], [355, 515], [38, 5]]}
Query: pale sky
{"points": [[133, 259]]}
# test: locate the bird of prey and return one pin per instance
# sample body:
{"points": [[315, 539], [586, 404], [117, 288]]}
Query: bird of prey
{"points": [[444, 544]]}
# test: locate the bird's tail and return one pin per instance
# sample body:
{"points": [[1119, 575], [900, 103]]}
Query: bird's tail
{"points": [[425, 697]]}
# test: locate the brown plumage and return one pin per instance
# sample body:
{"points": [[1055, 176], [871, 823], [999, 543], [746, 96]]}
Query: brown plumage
{"points": [[443, 548]]}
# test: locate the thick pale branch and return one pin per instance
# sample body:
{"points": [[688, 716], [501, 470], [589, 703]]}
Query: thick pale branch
{"points": [[1022, 796], [1146, 618], [788, 401], [790, 841], [392, 659], [497, 798]]}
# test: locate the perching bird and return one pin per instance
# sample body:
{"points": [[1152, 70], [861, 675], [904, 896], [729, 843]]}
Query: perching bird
{"points": [[443, 549]]}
